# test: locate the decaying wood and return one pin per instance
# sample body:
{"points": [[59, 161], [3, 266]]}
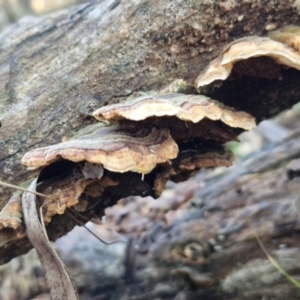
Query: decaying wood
{"points": [[208, 248], [198, 241], [56, 70]]}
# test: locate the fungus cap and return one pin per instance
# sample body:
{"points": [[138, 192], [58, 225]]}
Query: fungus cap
{"points": [[118, 148], [245, 48], [191, 108]]}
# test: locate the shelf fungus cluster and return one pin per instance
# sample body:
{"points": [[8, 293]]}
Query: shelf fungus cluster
{"points": [[139, 144]]}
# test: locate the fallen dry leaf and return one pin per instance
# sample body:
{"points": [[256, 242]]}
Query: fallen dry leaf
{"points": [[60, 284]]}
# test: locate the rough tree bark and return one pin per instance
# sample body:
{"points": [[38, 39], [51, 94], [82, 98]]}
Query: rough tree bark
{"points": [[209, 248], [54, 70], [198, 241]]}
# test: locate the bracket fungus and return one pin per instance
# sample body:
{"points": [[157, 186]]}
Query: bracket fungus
{"points": [[190, 108], [243, 49], [118, 148], [199, 125], [255, 74], [141, 143], [161, 136]]}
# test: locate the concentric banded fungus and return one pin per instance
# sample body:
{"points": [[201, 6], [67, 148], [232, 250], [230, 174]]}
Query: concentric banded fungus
{"points": [[117, 148], [165, 137], [254, 74], [243, 49], [198, 124], [190, 108]]}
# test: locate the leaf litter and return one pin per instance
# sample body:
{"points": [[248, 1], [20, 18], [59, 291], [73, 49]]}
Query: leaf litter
{"points": [[60, 284]]}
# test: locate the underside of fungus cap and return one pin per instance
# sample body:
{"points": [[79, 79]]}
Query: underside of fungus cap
{"points": [[119, 148], [255, 74], [144, 148], [199, 125], [189, 161], [188, 135]]}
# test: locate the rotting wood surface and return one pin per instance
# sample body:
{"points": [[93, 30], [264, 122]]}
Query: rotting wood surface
{"points": [[208, 248], [199, 240], [55, 70]]}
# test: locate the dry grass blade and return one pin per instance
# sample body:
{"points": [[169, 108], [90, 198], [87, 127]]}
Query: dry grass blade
{"points": [[16, 187], [277, 266], [61, 286], [90, 231]]}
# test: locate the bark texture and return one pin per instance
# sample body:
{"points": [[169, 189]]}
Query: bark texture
{"points": [[55, 70], [198, 241]]}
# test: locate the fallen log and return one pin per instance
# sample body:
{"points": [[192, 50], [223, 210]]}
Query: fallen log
{"points": [[57, 69]]}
